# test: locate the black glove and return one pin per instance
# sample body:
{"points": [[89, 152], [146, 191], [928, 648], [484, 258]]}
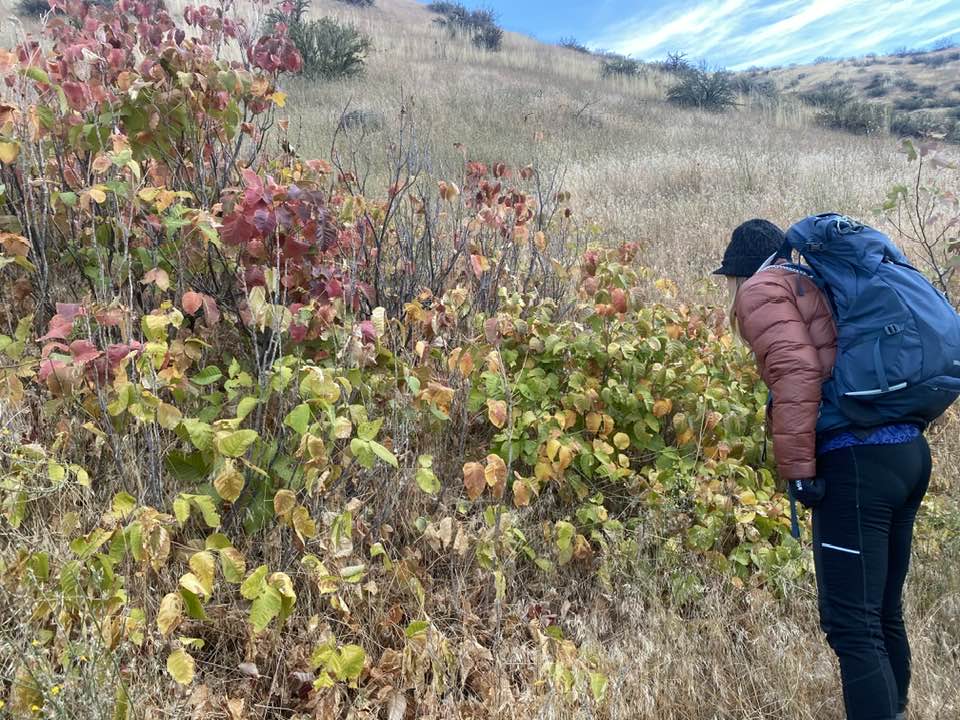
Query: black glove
{"points": [[808, 492]]}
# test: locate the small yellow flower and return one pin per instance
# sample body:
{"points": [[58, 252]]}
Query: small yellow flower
{"points": [[35, 708], [55, 690], [36, 643]]}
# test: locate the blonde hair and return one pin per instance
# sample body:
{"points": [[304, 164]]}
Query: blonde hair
{"points": [[732, 310]]}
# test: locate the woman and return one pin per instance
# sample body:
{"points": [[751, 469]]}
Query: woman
{"points": [[865, 486]]}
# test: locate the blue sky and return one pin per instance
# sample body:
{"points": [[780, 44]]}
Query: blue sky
{"points": [[735, 33]]}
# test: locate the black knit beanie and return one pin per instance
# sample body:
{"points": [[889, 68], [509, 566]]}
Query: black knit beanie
{"points": [[751, 245]]}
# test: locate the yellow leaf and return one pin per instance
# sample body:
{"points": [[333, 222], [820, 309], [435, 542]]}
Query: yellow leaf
{"points": [[302, 523], [9, 151], [168, 416], [621, 441], [97, 195], [229, 482], [203, 566], [181, 667], [169, 615], [593, 422], [283, 503]]}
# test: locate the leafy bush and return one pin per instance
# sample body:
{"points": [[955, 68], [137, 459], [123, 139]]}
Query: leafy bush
{"points": [[330, 49], [704, 90], [614, 66]]}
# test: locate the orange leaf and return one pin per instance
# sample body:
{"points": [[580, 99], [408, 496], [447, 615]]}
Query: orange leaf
{"points": [[495, 475], [497, 412], [191, 302], [521, 493], [662, 407], [474, 480]]}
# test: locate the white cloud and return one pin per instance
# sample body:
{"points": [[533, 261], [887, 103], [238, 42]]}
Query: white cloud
{"points": [[740, 33]]}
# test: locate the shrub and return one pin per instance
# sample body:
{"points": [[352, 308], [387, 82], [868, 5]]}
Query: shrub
{"points": [[329, 49], [676, 64], [918, 124], [571, 43], [479, 25], [908, 104], [619, 66], [704, 90], [854, 116], [490, 37], [33, 8]]}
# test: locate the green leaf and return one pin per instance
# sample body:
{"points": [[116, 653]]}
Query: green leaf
{"points": [[181, 509], [265, 608], [369, 430], [234, 444], [598, 685], [352, 658], [193, 605], [207, 376], [381, 452], [299, 419], [37, 75], [199, 432], [253, 586], [427, 481], [565, 533], [417, 627], [208, 510], [69, 199], [362, 451], [123, 504], [246, 406]]}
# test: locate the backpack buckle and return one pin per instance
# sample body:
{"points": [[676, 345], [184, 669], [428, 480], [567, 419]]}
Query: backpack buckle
{"points": [[893, 329]]}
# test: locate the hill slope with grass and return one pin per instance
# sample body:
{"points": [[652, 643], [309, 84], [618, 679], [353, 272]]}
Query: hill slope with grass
{"points": [[918, 91], [388, 381]]}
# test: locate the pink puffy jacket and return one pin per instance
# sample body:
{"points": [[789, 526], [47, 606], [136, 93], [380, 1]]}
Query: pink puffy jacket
{"points": [[787, 322]]}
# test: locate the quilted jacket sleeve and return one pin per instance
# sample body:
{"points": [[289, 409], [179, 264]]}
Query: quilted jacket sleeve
{"points": [[773, 327]]}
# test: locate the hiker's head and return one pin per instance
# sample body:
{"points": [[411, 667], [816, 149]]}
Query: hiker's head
{"points": [[750, 246]]}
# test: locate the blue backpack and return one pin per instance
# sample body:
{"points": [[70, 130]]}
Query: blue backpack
{"points": [[898, 337]]}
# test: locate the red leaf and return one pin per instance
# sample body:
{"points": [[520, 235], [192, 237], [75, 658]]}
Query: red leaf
{"points": [[191, 302], [69, 311], [368, 332], [76, 95], [111, 317], [59, 328], [84, 351], [210, 310]]}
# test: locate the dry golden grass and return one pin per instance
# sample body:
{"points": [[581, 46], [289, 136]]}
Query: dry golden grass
{"points": [[638, 169]]}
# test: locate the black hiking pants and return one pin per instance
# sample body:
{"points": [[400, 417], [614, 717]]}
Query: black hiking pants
{"points": [[862, 533]]}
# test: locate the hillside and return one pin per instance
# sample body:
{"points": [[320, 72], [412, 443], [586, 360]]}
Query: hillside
{"points": [[920, 91], [674, 181], [409, 395]]}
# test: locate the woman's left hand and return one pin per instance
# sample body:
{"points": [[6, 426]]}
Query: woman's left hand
{"points": [[809, 492]]}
